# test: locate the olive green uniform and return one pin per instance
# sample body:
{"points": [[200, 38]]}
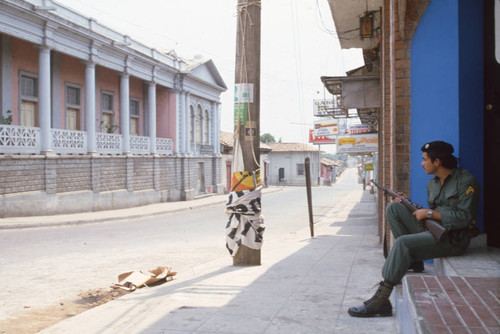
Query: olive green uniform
{"points": [[457, 201]]}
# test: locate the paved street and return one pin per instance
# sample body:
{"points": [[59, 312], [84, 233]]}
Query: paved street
{"points": [[42, 266], [304, 284]]}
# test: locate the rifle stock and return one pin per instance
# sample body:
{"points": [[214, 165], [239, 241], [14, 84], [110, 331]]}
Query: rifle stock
{"points": [[435, 228]]}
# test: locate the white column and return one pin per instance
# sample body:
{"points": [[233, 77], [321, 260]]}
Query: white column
{"points": [[44, 97], [152, 115], [90, 108], [187, 125], [125, 112], [216, 127], [180, 135]]}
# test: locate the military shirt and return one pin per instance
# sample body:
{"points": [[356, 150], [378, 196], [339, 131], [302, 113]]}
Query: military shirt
{"points": [[457, 199]]}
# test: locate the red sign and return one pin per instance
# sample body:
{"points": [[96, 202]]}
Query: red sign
{"points": [[320, 139]]}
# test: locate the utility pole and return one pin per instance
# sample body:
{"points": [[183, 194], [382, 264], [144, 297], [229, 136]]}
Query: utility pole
{"points": [[247, 99]]}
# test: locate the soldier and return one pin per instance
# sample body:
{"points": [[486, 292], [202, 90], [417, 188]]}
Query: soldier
{"points": [[452, 196]]}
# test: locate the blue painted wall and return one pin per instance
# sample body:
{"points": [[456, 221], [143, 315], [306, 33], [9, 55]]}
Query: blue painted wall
{"points": [[447, 87]]}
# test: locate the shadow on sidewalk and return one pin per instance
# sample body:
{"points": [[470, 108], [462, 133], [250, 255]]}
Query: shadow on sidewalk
{"points": [[308, 289], [304, 285]]}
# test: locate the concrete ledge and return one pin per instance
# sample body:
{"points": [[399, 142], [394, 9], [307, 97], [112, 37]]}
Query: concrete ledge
{"points": [[478, 261]]}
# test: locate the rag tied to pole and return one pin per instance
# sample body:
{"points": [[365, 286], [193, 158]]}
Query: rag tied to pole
{"points": [[245, 225]]}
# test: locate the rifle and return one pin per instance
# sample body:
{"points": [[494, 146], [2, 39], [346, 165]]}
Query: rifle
{"points": [[437, 230]]}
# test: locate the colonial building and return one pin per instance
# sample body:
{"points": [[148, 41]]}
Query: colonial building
{"points": [[92, 119]]}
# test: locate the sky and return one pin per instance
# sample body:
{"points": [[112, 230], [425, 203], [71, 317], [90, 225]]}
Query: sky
{"points": [[298, 46]]}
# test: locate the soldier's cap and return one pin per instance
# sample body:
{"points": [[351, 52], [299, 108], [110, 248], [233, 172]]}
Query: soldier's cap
{"points": [[438, 147]]}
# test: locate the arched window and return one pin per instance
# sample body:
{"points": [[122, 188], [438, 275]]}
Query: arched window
{"points": [[191, 127], [206, 128], [198, 126]]}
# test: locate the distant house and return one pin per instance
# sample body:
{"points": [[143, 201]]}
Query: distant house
{"points": [[286, 164], [227, 150], [92, 119], [328, 171]]}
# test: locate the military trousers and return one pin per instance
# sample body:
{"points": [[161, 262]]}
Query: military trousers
{"points": [[412, 243]]}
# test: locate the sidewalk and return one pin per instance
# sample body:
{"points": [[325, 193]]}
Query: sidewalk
{"points": [[304, 285]]}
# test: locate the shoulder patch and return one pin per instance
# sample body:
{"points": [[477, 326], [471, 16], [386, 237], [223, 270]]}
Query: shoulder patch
{"points": [[469, 190]]}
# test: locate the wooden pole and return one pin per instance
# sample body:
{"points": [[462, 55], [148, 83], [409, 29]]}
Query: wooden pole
{"points": [[247, 99], [307, 164]]}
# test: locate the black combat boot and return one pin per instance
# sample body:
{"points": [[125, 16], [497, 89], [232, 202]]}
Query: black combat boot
{"points": [[378, 305], [417, 266]]}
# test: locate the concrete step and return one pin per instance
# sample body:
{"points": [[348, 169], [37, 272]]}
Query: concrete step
{"points": [[454, 295]]}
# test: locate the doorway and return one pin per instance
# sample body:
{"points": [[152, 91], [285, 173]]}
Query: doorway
{"points": [[201, 178], [281, 175], [491, 123]]}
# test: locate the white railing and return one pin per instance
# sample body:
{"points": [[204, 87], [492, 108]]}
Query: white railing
{"points": [[139, 145], [108, 143], [164, 146], [15, 139], [69, 141], [19, 139]]}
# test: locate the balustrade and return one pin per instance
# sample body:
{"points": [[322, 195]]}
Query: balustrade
{"points": [[69, 141], [109, 143], [15, 139], [164, 146], [139, 145]]}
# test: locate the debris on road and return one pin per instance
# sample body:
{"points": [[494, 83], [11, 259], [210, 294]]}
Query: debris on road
{"points": [[136, 279]]}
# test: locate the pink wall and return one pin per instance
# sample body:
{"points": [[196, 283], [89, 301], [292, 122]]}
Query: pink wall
{"points": [[24, 58], [165, 113], [72, 72], [136, 88], [109, 81]]}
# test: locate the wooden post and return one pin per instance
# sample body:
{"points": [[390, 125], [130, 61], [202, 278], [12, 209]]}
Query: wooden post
{"points": [[247, 99], [307, 164]]}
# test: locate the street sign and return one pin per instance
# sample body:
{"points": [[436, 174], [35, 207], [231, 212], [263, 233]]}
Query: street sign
{"points": [[320, 139], [243, 93], [324, 107], [250, 130], [355, 129], [358, 144], [326, 127], [240, 112]]}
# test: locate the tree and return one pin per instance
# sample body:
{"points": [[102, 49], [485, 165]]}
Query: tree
{"points": [[267, 138]]}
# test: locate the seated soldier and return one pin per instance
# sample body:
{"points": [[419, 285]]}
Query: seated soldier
{"points": [[452, 196]]}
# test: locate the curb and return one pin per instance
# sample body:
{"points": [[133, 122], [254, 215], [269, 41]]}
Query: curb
{"points": [[212, 200]]}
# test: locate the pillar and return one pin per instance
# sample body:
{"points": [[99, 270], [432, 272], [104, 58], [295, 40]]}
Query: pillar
{"points": [[44, 98], [90, 107], [125, 111], [152, 115]]}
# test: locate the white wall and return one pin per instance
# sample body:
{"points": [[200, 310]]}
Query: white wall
{"points": [[289, 161]]}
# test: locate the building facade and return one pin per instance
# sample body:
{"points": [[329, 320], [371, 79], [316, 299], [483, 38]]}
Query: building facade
{"points": [[93, 120], [287, 164], [438, 81]]}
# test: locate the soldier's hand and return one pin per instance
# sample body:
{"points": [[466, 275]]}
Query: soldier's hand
{"points": [[420, 214], [397, 199]]}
